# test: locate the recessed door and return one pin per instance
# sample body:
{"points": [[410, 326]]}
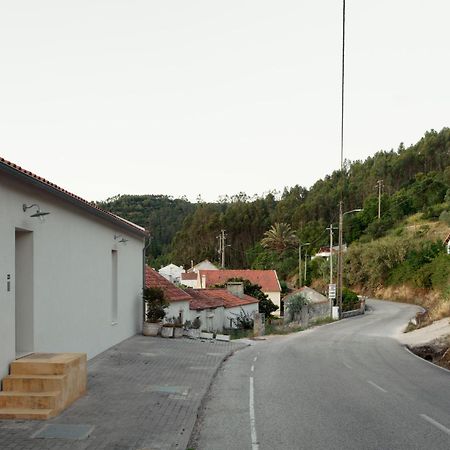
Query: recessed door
{"points": [[24, 305]]}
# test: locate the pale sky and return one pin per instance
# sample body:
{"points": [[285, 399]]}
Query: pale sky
{"points": [[211, 97]]}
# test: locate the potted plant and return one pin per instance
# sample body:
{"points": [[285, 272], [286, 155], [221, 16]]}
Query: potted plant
{"points": [[155, 304], [167, 329], [194, 330], [177, 328]]}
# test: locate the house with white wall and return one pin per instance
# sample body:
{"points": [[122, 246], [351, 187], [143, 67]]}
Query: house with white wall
{"points": [[206, 264], [267, 279], [71, 274], [172, 272], [177, 299]]}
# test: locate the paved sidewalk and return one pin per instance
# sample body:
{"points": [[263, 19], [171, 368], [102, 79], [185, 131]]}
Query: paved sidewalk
{"points": [[142, 394], [425, 335]]}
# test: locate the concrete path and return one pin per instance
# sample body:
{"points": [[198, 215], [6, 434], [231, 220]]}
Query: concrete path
{"points": [[142, 394]]}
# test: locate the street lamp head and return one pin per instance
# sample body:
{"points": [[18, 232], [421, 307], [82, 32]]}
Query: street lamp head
{"points": [[353, 210]]}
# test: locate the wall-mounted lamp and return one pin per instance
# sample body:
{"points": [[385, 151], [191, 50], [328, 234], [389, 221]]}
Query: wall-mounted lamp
{"points": [[120, 238], [39, 213]]}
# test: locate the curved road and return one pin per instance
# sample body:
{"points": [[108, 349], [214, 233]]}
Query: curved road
{"points": [[346, 385]]}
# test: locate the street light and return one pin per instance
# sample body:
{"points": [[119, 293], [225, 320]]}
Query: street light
{"points": [[340, 268], [300, 245]]}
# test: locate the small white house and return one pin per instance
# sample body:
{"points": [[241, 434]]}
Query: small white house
{"points": [[267, 279], [71, 274], [172, 272], [206, 264], [177, 299]]}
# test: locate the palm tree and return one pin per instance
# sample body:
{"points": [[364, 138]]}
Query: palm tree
{"points": [[279, 238]]}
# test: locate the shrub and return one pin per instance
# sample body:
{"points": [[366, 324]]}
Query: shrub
{"points": [[155, 304], [294, 305], [243, 320]]}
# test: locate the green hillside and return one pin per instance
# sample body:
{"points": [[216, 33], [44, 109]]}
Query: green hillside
{"points": [[383, 252]]}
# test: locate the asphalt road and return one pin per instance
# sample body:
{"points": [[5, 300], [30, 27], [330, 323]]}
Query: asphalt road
{"points": [[346, 385]]}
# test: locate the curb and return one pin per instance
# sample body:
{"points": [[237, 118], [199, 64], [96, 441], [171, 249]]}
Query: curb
{"points": [[424, 360]]}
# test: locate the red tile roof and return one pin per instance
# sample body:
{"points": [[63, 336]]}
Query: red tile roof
{"points": [[189, 276], [36, 180], [230, 300], [267, 279], [202, 300], [214, 298], [172, 292]]}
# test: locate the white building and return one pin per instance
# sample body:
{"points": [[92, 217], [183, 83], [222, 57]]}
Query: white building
{"points": [[267, 279], [71, 280], [206, 264], [172, 272]]}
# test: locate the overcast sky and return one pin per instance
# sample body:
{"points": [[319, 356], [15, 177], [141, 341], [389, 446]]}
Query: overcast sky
{"points": [[189, 97]]}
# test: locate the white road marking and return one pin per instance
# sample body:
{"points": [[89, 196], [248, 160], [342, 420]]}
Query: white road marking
{"points": [[376, 385], [255, 445], [252, 368], [255, 358], [435, 423], [348, 366]]}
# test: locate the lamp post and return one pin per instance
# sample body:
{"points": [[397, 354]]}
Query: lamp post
{"points": [[340, 267], [300, 245]]}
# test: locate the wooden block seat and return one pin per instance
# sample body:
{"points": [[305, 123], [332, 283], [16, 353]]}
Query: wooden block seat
{"points": [[41, 385]]}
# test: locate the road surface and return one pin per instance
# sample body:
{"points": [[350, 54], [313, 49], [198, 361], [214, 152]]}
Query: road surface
{"points": [[346, 385]]}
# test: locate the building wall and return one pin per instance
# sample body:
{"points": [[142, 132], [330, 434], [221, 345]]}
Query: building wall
{"points": [[175, 308], [276, 299], [69, 277], [212, 319], [232, 313], [171, 273]]}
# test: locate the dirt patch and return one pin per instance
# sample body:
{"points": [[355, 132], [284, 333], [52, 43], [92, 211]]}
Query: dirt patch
{"points": [[437, 352]]}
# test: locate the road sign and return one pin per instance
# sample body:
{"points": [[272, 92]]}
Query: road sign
{"points": [[332, 291]]}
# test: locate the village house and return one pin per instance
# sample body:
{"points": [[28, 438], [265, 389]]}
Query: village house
{"points": [[177, 299], [172, 272], [267, 279], [216, 308], [71, 274]]}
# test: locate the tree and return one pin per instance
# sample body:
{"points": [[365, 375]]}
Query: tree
{"points": [[279, 238]]}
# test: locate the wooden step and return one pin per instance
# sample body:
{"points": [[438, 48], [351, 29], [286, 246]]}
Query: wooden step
{"points": [[34, 383], [30, 400], [46, 363], [26, 413]]}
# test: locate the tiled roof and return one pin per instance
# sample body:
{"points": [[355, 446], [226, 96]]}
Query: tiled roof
{"points": [[36, 180], [230, 300], [172, 292], [189, 276], [214, 298], [447, 239], [311, 295], [203, 300], [267, 279]]}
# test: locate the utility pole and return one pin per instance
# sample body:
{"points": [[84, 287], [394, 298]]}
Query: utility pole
{"points": [[300, 245], [380, 187], [222, 238], [331, 228], [306, 265], [340, 268]]}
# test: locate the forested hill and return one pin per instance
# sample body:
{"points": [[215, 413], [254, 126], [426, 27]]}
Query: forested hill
{"points": [[163, 215], [415, 179]]}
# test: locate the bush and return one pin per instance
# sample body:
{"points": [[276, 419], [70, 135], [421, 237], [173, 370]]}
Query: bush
{"points": [[294, 305], [350, 300], [243, 321], [155, 304]]}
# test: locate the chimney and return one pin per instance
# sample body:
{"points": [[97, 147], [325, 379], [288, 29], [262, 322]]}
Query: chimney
{"points": [[203, 282], [236, 288]]}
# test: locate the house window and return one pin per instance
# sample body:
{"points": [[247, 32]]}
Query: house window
{"points": [[114, 286]]}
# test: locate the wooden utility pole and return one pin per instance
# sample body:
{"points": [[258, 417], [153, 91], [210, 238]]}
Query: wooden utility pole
{"points": [[222, 238], [380, 188], [331, 228]]}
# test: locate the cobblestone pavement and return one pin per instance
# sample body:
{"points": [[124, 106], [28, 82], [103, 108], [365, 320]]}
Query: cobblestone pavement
{"points": [[143, 393]]}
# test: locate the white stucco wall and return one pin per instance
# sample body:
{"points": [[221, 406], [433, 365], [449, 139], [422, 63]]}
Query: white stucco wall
{"points": [[71, 283], [212, 319], [171, 273], [175, 308], [231, 313], [276, 299]]}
